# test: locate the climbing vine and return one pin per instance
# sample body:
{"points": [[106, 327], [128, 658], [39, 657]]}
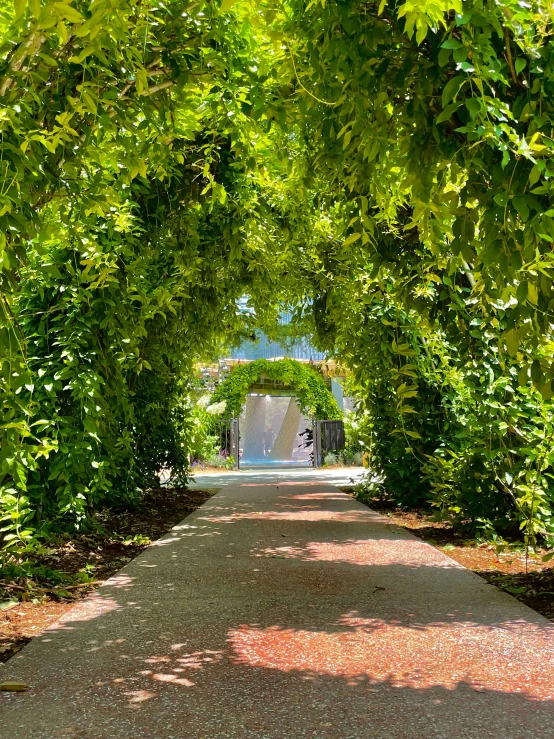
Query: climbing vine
{"points": [[382, 169], [313, 396]]}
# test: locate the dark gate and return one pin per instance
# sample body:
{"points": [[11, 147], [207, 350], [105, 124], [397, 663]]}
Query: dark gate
{"points": [[229, 438], [328, 437]]}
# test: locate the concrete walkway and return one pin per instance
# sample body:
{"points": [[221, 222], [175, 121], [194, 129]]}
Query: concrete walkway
{"points": [[340, 476], [288, 611]]}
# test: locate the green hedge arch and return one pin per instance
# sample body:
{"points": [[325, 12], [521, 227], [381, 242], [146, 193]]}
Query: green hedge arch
{"points": [[314, 398]]}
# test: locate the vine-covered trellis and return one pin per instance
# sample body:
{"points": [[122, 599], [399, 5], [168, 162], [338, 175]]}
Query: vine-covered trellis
{"points": [[312, 394], [385, 170]]}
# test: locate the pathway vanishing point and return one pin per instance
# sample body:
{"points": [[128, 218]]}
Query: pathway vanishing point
{"points": [[284, 611]]}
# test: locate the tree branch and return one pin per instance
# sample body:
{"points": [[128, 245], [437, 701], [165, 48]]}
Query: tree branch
{"points": [[509, 57], [30, 47]]}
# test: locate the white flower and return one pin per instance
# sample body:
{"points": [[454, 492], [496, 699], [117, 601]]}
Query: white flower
{"points": [[204, 401], [216, 409]]}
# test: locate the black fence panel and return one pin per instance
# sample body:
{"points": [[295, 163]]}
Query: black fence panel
{"points": [[328, 437], [229, 439], [332, 436]]}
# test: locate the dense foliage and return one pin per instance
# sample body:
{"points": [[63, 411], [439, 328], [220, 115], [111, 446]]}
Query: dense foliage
{"points": [[383, 168]]}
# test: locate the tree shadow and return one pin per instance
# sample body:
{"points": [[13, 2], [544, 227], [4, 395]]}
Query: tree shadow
{"points": [[292, 671], [327, 626]]}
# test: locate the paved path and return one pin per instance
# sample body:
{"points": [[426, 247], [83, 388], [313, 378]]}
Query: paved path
{"points": [[282, 612], [340, 476]]}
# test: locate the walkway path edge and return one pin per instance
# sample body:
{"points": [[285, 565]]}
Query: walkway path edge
{"points": [[288, 610]]}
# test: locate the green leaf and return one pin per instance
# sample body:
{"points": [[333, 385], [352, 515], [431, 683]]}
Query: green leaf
{"points": [[452, 43], [451, 89], [444, 57], [227, 5], [50, 61], [461, 20], [460, 55], [68, 12], [447, 112], [512, 341], [89, 102], [474, 107], [492, 252], [520, 204], [522, 291], [520, 64], [534, 175], [19, 7], [351, 239], [523, 376]]}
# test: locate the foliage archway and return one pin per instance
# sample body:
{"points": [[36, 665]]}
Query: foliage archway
{"points": [[314, 398], [387, 167]]}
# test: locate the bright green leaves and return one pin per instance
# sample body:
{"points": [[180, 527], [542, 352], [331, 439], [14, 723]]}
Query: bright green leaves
{"points": [[227, 5], [184, 155], [314, 398], [124, 254], [425, 14], [351, 239], [403, 349], [89, 102], [19, 8], [67, 12]]}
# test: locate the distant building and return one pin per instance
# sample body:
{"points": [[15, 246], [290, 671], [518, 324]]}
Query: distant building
{"points": [[264, 348]]}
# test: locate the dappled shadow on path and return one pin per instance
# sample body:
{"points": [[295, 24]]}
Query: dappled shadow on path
{"points": [[292, 618], [290, 670]]}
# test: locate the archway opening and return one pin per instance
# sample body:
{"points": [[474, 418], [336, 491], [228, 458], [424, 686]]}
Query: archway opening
{"points": [[276, 402], [274, 432]]}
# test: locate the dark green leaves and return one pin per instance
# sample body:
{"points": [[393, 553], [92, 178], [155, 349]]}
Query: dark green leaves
{"points": [[451, 89], [520, 204], [447, 112]]}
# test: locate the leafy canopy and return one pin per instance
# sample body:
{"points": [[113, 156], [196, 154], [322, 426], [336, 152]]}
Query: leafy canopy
{"points": [[383, 168]]}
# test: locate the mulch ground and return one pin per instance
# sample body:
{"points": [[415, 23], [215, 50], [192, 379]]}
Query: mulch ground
{"points": [[28, 605], [526, 577]]}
